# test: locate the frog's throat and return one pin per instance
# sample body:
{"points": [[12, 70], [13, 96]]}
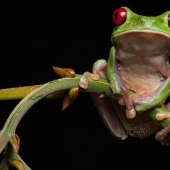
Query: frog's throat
{"points": [[144, 30]]}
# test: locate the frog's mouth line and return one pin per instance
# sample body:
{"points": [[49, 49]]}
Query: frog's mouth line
{"points": [[146, 31]]}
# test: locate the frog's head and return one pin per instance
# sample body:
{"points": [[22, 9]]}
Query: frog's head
{"points": [[127, 21]]}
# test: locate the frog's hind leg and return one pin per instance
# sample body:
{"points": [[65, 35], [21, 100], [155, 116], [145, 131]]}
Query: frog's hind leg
{"points": [[107, 112], [104, 104]]}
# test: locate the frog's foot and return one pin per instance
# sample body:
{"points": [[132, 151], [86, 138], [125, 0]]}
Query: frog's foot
{"points": [[164, 136], [99, 70], [84, 79], [125, 100]]}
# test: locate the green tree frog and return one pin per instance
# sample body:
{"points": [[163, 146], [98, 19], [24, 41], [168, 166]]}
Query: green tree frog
{"points": [[139, 74]]}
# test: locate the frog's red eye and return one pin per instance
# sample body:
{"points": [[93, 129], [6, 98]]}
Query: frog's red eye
{"points": [[169, 20], [119, 16]]}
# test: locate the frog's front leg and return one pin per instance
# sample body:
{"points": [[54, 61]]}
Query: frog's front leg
{"points": [[118, 85]]}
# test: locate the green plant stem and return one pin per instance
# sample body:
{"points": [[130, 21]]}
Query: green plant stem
{"points": [[100, 86], [46, 89], [11, 155], [17, 92], [20, 92]]}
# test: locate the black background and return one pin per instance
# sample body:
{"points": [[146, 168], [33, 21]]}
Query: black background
{"points": [[38, 35]]}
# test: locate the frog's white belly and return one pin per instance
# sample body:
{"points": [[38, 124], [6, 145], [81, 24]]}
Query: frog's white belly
{"points": [[142, 60], [138, 77]]}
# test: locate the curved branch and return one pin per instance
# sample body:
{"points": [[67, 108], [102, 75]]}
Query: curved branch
{"points": [[100, 86]]}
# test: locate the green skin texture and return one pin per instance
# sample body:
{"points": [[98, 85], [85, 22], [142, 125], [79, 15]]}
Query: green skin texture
{"points": [[136, 22], [140, 23]]}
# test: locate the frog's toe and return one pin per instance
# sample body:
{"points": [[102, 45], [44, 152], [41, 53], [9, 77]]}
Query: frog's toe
{"points": [[84, 79], [164, 136], [100, 68], [163, 115]]}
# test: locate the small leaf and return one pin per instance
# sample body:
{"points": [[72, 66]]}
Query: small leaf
{"points": [[64, 72], [71, 96], [15, 142], [16, 163], [73, 93]]}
